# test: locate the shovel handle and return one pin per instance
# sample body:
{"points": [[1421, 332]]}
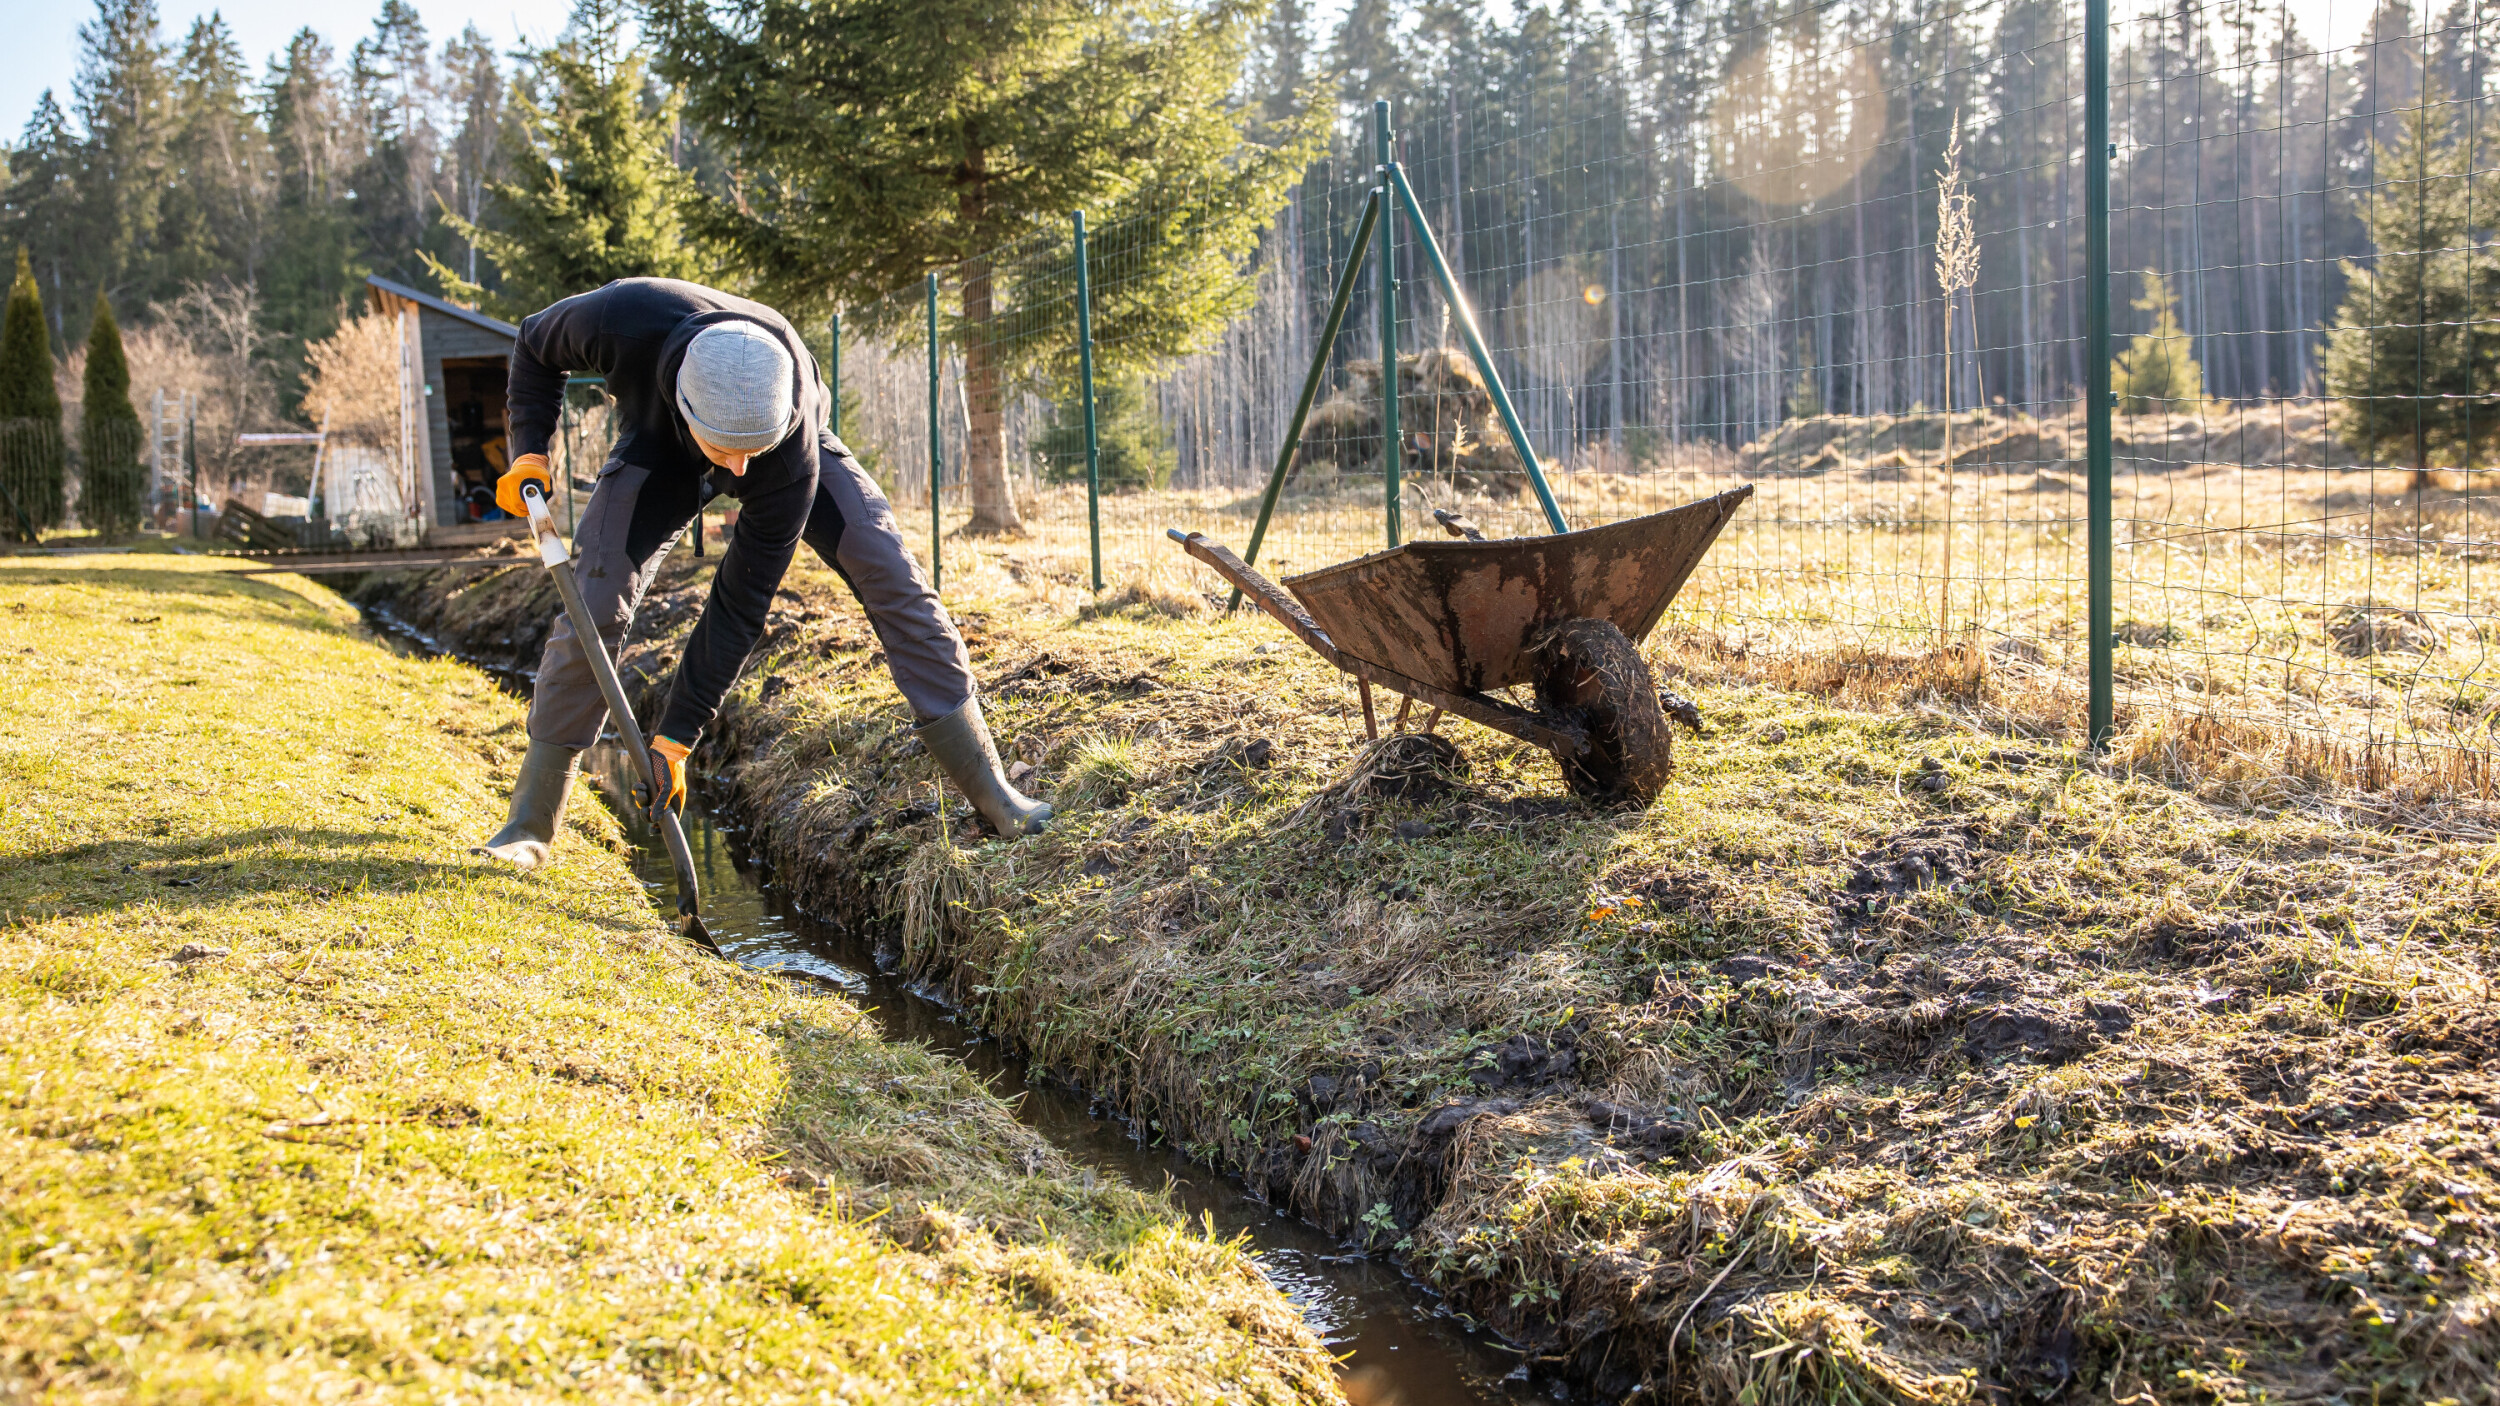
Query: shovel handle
{"points": [[551, 550], [681, 857]]}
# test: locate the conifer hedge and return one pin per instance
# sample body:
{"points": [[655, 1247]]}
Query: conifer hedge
{"points": [[112, 495], [32, 454]]}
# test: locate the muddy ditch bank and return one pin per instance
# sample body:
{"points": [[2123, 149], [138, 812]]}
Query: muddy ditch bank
{"points": [[1887, 1055], [1397, 1344]]}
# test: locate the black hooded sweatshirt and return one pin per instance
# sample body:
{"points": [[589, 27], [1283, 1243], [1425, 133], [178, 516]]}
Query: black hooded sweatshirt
{"points": [[634, 333]]}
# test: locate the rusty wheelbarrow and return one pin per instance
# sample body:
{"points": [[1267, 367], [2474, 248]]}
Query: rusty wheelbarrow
{"points": [[1448, 622]]}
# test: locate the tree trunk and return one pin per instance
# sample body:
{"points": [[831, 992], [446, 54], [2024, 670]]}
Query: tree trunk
{"points": [[984, 389], [2030, 355], [985, 449]]}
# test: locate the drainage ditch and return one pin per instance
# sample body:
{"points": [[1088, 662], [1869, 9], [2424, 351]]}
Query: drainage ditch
{"points": [[1401, 1346]]}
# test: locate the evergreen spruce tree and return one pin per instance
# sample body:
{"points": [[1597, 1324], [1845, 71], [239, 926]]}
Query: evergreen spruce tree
{"points": [[43, 209], [1282, 70], [124, 96], [31, 451], [214, 221], [593, 195], [112, 488], [390, 76], [1132, 444], [313, 267], [2157, 373], [2413, 363], [1370, 60], [473, 155], [880, 140]]}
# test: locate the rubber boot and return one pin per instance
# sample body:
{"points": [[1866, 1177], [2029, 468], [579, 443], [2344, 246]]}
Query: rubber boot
{"points": [[537, 806], [961, 743]]}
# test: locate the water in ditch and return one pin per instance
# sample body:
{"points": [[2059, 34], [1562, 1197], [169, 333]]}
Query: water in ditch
{"points": [[1401, 1347]]}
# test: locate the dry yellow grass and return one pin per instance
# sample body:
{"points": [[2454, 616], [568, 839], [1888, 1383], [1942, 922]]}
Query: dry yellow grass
{"points": [[2341, 621]]}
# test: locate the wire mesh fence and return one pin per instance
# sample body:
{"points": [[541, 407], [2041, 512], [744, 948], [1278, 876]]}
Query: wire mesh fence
{"points": [[2303, 509], [1707, 260], [34, 476], [97, 479], [1843, 255]]}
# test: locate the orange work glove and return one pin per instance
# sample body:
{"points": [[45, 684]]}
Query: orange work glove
{"points": [[525, 469], [668, 762]]}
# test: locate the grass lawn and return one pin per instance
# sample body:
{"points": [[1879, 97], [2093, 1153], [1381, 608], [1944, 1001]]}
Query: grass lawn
{"points": [[1901, 1051], [297, 1101]]}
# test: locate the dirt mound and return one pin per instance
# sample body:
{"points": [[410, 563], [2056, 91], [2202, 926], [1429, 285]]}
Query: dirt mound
{"points": [[1932, 854], [1411, 766], [1445, 420], [2293, 434], [2365, 627], [1830, 443]]}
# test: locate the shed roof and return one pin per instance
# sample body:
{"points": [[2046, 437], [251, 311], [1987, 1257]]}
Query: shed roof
{"points": [[385, 292]]}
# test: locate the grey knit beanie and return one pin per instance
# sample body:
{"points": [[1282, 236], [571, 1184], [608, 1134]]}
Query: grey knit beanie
{"points": [[734, 387]]}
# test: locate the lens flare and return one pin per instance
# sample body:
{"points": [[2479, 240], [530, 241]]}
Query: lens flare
{"points": [[1793, 122]]}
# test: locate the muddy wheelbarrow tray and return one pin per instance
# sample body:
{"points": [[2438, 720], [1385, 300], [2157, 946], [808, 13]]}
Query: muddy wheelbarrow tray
{"points": [[1449, 622]]}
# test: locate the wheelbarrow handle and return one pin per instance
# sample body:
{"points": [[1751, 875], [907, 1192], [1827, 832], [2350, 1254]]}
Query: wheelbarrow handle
{"points": [[1270, 596]]}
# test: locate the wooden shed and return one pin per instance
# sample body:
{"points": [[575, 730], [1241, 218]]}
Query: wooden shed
{"points": [[453, 364]]}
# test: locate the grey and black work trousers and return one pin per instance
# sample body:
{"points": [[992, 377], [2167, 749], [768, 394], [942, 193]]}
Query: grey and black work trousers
{"points": [[625, 532]]}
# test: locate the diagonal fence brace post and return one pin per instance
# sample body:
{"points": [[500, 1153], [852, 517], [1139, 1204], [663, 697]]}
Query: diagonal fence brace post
{"points": [[1311, 383], [1475, 346]]}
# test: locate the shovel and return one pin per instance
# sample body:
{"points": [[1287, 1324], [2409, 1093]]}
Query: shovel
{"points": [[559, 560]]}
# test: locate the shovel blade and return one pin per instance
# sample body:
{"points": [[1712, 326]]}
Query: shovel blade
{"points": [[681, 855], [695, 932]]}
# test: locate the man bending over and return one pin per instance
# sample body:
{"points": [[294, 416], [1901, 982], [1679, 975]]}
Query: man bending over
{"points": [[715, 394]]}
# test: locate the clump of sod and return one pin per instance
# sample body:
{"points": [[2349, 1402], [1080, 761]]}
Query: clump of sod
{"points": [[299, 1102]]}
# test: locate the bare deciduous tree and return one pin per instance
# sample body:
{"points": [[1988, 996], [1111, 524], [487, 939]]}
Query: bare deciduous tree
{"points": [[351, 381], [1753, 343], [207, 344]]}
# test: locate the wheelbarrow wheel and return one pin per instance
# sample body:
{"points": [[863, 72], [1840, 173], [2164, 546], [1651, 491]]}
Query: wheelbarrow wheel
{"points": [[1589, 673]]}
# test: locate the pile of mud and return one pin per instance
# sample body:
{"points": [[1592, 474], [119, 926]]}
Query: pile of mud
{"points": [[2285, 435]]}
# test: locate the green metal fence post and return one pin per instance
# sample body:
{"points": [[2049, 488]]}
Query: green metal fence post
{"points": [[2096, 396], [1392, 443], [191, 462], [1476, 349], [833, 378], [937, 458], [1085, 387], [1346, 279]]}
